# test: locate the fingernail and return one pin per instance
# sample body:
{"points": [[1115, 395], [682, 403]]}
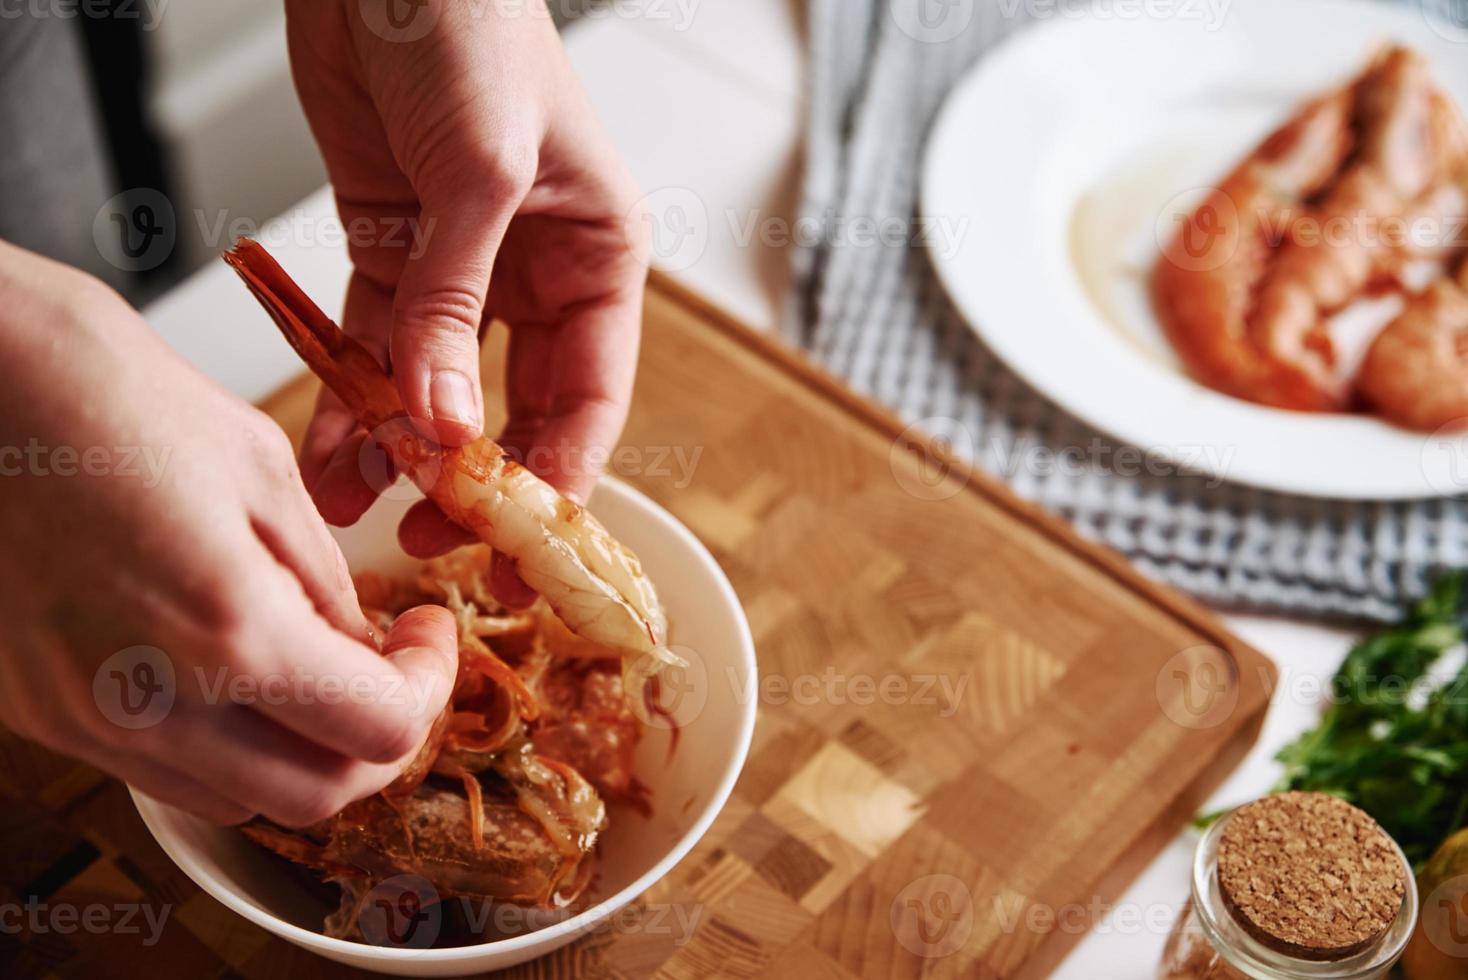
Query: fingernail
{"points": [[451, 395]]}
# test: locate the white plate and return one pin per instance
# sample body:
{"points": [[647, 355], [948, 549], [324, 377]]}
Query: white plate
{"points": [[1073, 149], [715, 713]]}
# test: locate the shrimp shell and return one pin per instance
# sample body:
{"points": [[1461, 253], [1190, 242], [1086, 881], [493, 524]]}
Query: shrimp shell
{"points": [[592, 582]]}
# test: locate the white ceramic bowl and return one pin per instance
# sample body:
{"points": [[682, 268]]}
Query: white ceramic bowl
{"points": [[715, 715]]}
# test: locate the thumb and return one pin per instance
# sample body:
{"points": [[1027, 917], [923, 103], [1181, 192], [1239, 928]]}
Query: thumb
{"points": [[437, 312], [424, 644]]}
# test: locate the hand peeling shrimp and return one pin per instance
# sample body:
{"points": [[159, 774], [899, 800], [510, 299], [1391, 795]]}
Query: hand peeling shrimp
{"points": [[507, 798], [594, 584], [1248, 314]]}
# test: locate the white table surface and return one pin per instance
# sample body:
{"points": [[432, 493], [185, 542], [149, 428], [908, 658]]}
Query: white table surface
{"points": [[708, 113]]}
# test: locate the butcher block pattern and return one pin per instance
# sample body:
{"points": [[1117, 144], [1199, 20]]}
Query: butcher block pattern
{"points": [[973, 726]]}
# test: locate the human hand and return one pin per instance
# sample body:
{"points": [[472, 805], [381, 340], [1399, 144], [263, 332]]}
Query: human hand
{"points": [[479, 136], [140, 504]]}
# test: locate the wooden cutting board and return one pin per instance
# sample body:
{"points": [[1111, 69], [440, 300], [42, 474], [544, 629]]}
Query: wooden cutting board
{"points": [[974, 730]]}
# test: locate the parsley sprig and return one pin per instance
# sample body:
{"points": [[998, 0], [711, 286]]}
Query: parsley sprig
{"points": [[1394, 739]]}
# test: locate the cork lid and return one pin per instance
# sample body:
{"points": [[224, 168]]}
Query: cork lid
{"points": [[1310, 875]]}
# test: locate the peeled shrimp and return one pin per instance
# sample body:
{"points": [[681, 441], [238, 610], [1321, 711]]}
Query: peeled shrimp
{"points": [[592, 583], [1416, 371], [1248, 314], [1205, 284]]}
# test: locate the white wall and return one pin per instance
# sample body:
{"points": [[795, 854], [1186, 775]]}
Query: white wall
{"points": [[224, 104]]}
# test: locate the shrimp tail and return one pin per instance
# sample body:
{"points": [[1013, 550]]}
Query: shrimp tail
{"points": [[343, 364]]}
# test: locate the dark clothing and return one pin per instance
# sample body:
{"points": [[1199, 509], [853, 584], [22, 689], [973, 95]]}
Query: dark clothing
{"points": [[53, 157]]}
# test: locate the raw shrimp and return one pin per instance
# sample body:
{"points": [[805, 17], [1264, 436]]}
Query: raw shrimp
{"points": [[1248, 314], [594, 584], [506, 799], [1416, 371], [423, 834]]}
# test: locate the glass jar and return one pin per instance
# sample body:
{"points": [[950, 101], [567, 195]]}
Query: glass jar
{"points": [[1209, 943]]}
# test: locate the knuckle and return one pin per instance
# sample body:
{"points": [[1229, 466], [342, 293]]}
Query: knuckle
{"points": [[510, 168], [235, 652], [221, 614], [270, 447], [507, 161], [395, 735], [311, 804], [251, 659], [448, 314]]}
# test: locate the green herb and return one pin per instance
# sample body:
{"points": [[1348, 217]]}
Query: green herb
{"points": [[1394, 740]]}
